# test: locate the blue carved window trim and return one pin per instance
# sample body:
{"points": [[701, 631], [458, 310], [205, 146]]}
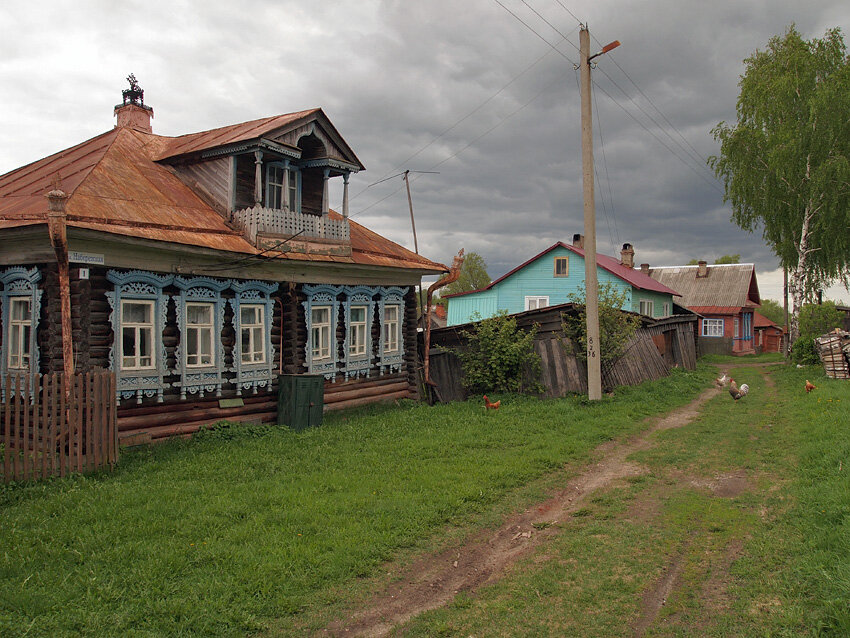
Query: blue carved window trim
{"points": [[358, 297], [19, 282], [253, 375], [201, 379], [317, 297], [138, 285], [391, 296]]}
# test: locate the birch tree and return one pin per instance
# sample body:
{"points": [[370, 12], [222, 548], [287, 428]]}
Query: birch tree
{"points": [[785, 163]]}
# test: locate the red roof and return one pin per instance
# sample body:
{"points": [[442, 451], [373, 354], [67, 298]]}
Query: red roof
{"points": [[716, 310], [760, 321], [634, 277], [115, 185]]}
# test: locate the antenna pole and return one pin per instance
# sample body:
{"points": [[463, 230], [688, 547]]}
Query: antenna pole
{"points": [[410, 204]]}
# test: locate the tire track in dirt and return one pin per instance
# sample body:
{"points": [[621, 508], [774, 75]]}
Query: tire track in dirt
{"points": [[435, 579]]}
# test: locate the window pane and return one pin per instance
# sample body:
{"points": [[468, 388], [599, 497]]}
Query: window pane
{"points": [[199, 314], [21, 310], [358, 315], [250, 314], [136, 312], [129, 342], [191, 342], [144, 342], [391, 313], [321, 315]]}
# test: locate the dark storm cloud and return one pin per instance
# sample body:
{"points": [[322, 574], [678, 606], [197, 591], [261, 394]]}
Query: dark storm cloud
{"points": [[393, 76]]}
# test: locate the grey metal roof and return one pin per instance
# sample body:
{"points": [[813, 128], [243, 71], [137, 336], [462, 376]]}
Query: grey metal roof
{"points": [[732, 285]]}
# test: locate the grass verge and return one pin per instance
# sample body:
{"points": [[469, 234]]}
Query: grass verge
{"points": [[235, 532]]}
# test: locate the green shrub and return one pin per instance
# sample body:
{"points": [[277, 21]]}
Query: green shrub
{"points": [[499, 357], [815, 320], [616, 328]]}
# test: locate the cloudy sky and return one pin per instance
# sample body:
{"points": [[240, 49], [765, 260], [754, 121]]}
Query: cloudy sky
{"points": [[483, 92]]}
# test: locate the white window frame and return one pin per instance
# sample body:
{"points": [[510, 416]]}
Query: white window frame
{"points": [[275, 183], [294, 188], [566, 261], [22, 339], [391, 329], [647, 304], [207, 330], [665, 308], [322, 351], [712, 326], [256, 333], [357, 331], [137, 327], [737, 328], [536, 300]]}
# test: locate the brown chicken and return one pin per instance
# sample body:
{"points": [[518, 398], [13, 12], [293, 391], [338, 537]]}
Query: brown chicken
{"points": [[737, 392], [810, 386], [491, 406]]}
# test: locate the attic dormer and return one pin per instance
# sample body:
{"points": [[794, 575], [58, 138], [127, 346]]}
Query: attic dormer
{"points": [[270, 177]]}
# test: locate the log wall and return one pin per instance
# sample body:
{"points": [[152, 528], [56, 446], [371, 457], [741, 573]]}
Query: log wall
{"points": [[93, 342]]}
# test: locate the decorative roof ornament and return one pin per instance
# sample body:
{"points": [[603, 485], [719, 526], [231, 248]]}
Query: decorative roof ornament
{"points": [[135, 94]]}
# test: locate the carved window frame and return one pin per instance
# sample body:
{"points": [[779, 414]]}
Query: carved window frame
{"points": [[201, 379], [253, 375], [323, 295], [391, 361], [358, 297], [19, 282], [138, 285]]}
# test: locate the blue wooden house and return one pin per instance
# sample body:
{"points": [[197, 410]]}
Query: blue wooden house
{"points": [[550, 277]]}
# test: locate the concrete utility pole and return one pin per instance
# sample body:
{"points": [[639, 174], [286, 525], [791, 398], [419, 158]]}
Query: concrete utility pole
{"points": [[591, 284]]}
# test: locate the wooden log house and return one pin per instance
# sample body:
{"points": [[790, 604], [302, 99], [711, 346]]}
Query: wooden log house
{"points": [[200, 267]]}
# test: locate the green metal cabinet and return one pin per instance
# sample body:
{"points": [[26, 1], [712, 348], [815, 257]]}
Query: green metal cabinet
{"points": [[301, 399]]}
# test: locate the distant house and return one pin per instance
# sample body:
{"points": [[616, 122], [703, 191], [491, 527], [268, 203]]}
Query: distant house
{"points": [[548, 278], [726, 295], [202, 267], [769, 337]]}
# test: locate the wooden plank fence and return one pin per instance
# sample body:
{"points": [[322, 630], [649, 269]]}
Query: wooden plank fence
{"points": [[657, 346], [53, 426]]}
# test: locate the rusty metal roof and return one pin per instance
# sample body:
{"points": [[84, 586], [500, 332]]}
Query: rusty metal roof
{"points": [[725, 285], [116, 186]]}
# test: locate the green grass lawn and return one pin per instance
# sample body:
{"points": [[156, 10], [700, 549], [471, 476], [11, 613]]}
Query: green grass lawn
{"points": [[268, 531], [771, 558], [236, 533]]}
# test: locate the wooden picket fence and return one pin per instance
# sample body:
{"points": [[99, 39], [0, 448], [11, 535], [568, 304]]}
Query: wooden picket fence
{"points": [[53, 426]]}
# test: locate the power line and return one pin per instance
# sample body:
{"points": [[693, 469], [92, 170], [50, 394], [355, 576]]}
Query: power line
{"points": [[711, 182], [464, 118]]}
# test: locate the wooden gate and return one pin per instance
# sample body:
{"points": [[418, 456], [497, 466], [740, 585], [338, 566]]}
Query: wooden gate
{"points": [[54, 426]]}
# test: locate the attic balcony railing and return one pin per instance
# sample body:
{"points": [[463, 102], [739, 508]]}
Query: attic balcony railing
{"points": [[276, 221]]}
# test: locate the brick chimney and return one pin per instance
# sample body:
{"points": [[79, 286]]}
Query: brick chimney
{"points": [[578, 241], [627, 256], [133, 112], [702, 268], [644, 268]]}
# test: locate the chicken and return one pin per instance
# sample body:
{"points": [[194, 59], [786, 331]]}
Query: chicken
{"points": [[491, 406], [810, 386], [737, 392], [721, 381]]}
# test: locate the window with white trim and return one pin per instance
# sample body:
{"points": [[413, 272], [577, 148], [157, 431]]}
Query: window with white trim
{"points": [[320, 332], [391, 329], [647, 307], [199, 335], [533, 303], [275, 176], [252, 333], [712, 327], [294, 186], [137, 330], [665, 309], [737, 327], [20, 329], [357, 328]]}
